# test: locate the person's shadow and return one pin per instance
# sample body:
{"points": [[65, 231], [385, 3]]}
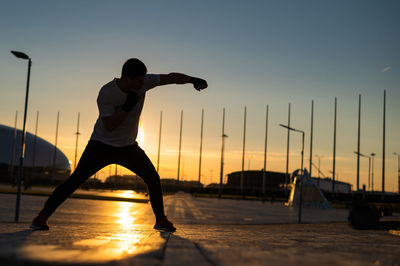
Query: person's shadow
{"points": [[159, 255], [156, 255]]}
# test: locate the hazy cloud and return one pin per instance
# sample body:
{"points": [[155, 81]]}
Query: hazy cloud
{"points": [[386, 69]]}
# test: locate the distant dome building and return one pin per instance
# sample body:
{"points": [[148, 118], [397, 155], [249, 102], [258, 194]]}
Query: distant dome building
{"points": [[38, 161]]}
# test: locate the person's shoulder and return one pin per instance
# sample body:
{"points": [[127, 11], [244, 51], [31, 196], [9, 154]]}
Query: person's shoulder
{"points": [[109, 85], [107, 89]]}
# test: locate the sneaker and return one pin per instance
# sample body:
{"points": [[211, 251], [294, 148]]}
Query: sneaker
{"points": [[40, 222], [164, 225]]}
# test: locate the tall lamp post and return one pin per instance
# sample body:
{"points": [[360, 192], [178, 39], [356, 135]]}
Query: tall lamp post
{"points": [[302, 156], [21, 158], [302, 145]]}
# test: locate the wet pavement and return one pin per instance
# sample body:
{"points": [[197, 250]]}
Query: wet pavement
{"points": [[209, 232]]}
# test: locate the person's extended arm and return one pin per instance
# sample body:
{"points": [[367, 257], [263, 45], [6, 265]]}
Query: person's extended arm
{"points": [[112, 122], [178, 78]]}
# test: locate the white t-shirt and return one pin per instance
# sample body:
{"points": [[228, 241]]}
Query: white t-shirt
{"points": [[110, 98]]}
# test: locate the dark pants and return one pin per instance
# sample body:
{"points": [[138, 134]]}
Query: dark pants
{"points": [[98, 155]]}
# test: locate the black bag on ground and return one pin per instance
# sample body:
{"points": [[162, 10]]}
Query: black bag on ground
{"points": [[363, 216]]}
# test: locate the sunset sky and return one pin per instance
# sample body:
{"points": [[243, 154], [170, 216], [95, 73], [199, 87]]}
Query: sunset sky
{"points": [[252, 53]]}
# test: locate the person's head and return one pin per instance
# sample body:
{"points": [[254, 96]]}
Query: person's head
{"points": [[133, 72]]}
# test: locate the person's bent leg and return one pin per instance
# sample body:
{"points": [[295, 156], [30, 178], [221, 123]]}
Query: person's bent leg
{"points": [[136, 160], [65, 189], [92, 160]]}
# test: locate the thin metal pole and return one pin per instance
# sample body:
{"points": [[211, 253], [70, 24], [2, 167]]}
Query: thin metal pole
{"points": [[222, 154], [372, 176], [76, 142], [369, 173], [34, 144], [383, 144], [358, 143], [311, 135], [398, 172], [334, 149], [287, 153], [180, 145], [243, 154], [201, 143], [11, 168], [301, 198], [55, 148], [319, 168], [302, 152], [183, 168], [264, 181], [159, 144], [22, 154], [301, 178]]}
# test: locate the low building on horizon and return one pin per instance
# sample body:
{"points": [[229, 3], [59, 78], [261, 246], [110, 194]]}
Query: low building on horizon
{"points": [[125, 180], [275, 181]]}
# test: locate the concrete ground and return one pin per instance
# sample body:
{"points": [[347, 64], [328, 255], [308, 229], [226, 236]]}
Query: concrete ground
{"points": [[210, 232]]}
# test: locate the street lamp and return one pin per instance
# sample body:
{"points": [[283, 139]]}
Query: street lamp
{"points": [[22, 55], [302, 145], [302, 155], [369, 167]]}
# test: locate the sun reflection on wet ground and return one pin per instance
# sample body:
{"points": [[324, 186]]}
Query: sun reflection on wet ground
{"points": [[126, 237], [124, 194], [126, 215], [116, 246]]}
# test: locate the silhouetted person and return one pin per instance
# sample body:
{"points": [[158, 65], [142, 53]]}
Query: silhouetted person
{"points": [[113, 140]]}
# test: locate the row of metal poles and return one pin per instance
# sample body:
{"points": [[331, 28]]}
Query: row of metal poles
{"points": [[289, 128], [223, 136]]}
